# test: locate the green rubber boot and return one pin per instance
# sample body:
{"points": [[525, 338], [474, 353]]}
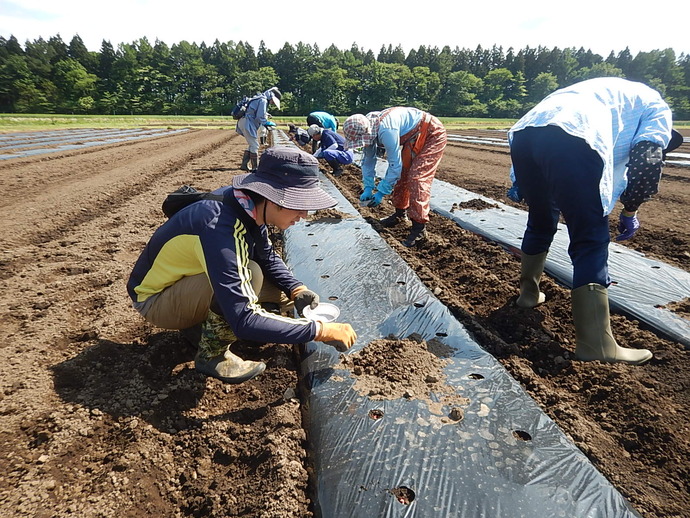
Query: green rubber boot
{"points": [[593, 337], [214, 357], [531, 268]]}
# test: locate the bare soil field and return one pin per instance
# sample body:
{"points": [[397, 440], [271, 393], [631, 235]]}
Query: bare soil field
{"points": [[103, 415]]}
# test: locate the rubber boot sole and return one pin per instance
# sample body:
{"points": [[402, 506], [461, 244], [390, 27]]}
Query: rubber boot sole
{"points": [[207, 368]]}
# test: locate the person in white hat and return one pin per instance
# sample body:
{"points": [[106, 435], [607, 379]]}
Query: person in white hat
{"points": [[248, 126], [331, 148], [211, 271]]}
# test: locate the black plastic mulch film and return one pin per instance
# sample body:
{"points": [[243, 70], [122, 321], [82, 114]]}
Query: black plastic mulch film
{"points": [[397, 458]]}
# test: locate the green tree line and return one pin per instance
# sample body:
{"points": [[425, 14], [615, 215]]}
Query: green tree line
{"points": [[51, 76]]}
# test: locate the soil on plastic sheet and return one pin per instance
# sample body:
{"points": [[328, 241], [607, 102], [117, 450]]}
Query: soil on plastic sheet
{"points": [[104, 415]]}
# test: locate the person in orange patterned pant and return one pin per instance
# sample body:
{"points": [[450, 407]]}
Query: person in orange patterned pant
{"points": [[414, 141]]}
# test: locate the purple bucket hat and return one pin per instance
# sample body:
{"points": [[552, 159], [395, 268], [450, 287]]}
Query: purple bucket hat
{"points": [[289, 178]]}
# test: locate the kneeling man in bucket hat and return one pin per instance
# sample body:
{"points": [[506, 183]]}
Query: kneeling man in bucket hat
{"points": [[211, 271]]}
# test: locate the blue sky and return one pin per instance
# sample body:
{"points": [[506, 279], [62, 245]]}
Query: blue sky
{"points": [[601, 26]]}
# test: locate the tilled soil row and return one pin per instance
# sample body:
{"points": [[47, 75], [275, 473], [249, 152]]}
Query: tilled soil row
{"points": [[104, 415]]}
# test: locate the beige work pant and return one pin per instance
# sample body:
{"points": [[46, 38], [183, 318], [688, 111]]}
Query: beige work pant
{"points": [[187, 302]]}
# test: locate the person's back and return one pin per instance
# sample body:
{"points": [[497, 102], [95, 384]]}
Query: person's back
{"points": [[581, 149], [330, 137], [604, 112], [323, 119], [302, 137], [256, 109]]}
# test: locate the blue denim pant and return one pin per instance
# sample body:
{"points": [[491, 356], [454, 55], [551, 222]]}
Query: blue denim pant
{"points": [[560, 174]]}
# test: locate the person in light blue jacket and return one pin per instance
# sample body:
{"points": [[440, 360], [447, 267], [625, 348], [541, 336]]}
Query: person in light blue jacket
{"points": [[255, 117], [414, 142], [576, 153], [323, 119]]}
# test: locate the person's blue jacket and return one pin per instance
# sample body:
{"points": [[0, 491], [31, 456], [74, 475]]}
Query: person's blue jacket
{"points": [[256, 114], [323, 119], [394, 124], [329, 137]]}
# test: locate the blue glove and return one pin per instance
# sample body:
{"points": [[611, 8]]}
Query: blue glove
{"points": [[514, 194], [376, 201], [627, 226], [367, 195]]}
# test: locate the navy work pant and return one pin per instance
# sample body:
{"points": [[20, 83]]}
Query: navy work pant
{"points": [[556, 172]]}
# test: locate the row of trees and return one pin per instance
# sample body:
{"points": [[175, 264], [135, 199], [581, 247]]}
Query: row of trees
{"points": [[190, 79]]}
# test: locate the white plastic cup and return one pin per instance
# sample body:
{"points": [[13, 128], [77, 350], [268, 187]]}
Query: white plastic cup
{"points": [[324, 312]]}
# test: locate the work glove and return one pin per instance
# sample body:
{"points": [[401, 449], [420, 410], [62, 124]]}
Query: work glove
{"points": [[303, 297], [376, 200], [340, 336], [382, 189], [367, 195], [627, 226], [514, 194], [318, 153]]}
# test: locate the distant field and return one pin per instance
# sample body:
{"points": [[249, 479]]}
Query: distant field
{"points": [[21, 122], [16, 122]]}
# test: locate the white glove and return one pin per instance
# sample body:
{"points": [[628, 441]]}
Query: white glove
{"points": [[318, 153]]}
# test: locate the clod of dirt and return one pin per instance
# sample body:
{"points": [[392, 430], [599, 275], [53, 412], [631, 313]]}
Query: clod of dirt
{"points": [[403, 494], [475, 204], [410, 368], [328, 214], [680, 307]]}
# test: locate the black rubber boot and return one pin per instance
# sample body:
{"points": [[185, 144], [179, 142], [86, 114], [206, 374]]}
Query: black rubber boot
{"points": [[245, 161], [254, 160], [417, 235], [337, 168], [399, 216]]}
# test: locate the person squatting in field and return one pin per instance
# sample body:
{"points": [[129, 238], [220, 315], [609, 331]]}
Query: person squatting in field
{"points": [[324, 120], [211, 270], [575, 153], [331, 148], [299, 135], [414, 142], [248, 126]]}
